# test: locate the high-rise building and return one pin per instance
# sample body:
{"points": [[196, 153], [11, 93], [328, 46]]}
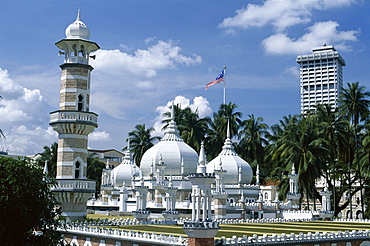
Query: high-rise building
{"points": [[321, 77]]}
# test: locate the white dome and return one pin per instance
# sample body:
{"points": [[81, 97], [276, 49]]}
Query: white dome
{"points": [[78, 29], [179, 158], [123, 172], [229, 160]]}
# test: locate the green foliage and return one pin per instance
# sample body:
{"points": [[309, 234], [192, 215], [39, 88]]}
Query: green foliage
{"points": [[94, 170], [26, 204], [140, 141], [49, 156]]}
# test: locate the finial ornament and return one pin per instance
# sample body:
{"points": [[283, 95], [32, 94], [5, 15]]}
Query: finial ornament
{"points": [[228, 129], [78, 15], [293, 169]]}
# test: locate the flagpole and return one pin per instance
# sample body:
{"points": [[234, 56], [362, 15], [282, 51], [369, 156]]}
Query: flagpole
{"points": [[224, 84]]}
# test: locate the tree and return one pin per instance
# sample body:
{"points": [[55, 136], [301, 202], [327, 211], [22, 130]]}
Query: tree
{"points": [[49, 155], [354, 104], [252, 142], [192, 128], [301, 146], [217, 128], [94, 170], [140, 141], [26, 204]]}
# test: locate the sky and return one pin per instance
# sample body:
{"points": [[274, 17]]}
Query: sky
{"points": [[155, 51]]}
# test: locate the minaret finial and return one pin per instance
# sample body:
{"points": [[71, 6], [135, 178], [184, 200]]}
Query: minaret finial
{"points": [[78, 14], [228, 129], [173, 110]]}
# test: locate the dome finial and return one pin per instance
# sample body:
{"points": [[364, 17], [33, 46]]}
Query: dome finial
{"points": [[78, 14], [173, 110], [228, 129]]}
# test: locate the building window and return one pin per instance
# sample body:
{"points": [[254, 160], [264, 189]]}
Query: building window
{"points": [[80, 104], [77, 170]]}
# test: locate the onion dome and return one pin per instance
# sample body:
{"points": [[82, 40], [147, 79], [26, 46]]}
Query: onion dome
{"points": [[78, 29], [238, 170], [122, 174], [179, 158]]}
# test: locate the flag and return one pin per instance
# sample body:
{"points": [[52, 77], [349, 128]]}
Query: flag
{"points": [[217, 80]]}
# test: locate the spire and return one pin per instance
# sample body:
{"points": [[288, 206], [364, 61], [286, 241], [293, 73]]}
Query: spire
{"points": [[228, 148], [78, 15], [228, 129], [202, 155], [258, 175], [173, 111], [46, 171], [172, 133], [202, 160]]}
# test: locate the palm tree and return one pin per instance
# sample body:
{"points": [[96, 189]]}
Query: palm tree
{"points": [[192, 128], [217, 128], [301, 146], [334, 130], [252, 139], [226, 114], [94, 170], [354, 104], [140, 141], [49, 156]]}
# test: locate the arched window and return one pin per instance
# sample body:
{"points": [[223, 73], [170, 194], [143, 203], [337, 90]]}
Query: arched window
{"points": [[80, 105], [83, 53], [266, 196], [77, 170], [74, 48]]}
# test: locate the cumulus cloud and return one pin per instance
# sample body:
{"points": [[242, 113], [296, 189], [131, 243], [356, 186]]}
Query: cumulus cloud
{"points": [[26, 140], [162, 55], [279, 13], [19, 103], [319, 33], [99, 136], [282, 14], [199, 103]]}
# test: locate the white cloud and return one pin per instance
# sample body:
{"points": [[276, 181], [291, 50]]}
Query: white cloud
{"points": [[199, 103], [318, 34], [24, 140], [143, 63], [294, 70], [280, 13], [99, 136], [19, 104]]}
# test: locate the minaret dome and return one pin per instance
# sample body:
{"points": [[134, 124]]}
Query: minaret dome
{"points": [[77, 29]]}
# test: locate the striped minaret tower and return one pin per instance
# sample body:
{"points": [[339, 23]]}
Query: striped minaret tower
{"points": [[73, 121]]}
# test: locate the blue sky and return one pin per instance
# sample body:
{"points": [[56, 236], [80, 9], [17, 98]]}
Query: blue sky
{"points": [[154, 51]]}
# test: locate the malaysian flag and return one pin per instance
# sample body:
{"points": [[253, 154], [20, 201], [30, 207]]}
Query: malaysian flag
{"points": [[217, 80]]}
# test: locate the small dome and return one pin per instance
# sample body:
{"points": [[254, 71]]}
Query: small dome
{"points": [[229, 160], [78, 29], [123, 172], [179, 158]]}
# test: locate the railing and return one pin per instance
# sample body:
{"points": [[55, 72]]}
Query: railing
{"points": [[72, 116], [294, 239], [119, 235], [74, 184]]}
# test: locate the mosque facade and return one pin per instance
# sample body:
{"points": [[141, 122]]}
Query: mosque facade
{"points": [[160, 186]]}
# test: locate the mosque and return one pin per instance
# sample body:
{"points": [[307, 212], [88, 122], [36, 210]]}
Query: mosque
{"points": [[160, 187]]}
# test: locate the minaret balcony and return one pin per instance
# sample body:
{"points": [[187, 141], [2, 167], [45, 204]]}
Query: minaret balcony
{"points": [[74, 185], [74, 116]]}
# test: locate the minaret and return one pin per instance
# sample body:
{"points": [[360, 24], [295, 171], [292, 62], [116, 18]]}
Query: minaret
{"points": [[73, 121], [293, 194], [201, 230]]}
